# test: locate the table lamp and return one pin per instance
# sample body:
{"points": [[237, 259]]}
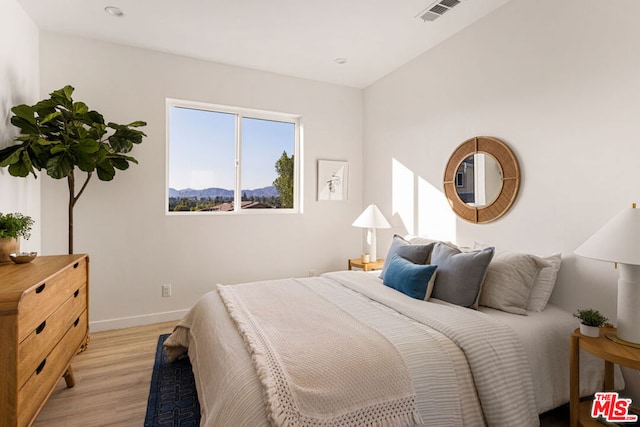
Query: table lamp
{"points": [[372, 219], [618, 241]]}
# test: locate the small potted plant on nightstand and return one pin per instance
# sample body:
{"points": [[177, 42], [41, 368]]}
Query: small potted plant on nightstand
{"points": [[12, 227], [590, 321]]}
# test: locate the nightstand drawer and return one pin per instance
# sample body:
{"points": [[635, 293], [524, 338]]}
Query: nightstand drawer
{"points": [[48, 372], [47, 334], [40, 301]]}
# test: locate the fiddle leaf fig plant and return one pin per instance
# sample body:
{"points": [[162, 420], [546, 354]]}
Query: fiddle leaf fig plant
{"points": [[61, 135]]}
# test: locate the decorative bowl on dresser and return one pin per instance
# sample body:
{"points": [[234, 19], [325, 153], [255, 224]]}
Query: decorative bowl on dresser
{"points": [[44, 312]]}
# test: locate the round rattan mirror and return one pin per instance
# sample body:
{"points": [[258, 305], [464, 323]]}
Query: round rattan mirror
{"points": [[482, 179]]}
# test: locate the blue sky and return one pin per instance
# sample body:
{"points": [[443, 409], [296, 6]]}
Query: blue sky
{"points": [[202, 149]]}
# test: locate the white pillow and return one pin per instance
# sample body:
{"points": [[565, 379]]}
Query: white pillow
{"points": [[419, 240], [509, 280], [544, 284], [432, 281]]}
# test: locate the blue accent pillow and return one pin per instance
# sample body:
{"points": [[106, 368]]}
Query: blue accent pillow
{"points": [[417, 254], [409, 278]]}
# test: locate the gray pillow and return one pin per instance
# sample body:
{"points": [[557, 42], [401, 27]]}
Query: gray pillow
{"points": [[417, 254], [460, 274]]}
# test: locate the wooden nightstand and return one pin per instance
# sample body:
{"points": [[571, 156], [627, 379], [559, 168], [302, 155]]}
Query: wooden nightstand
{"points": [[366, 266], [605, 349]]}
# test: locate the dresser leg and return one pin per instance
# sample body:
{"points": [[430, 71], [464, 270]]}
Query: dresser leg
{"points": [[68, 378]]}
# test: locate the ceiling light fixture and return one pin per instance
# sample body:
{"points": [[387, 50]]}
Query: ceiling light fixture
{"points": [[114, 11], [341, 61]]}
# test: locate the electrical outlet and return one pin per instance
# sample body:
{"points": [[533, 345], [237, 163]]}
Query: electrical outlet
{"points": [[166, 290]]}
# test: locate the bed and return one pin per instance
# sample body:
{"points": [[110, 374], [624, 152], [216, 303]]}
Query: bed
{"points": [[464, 367]]}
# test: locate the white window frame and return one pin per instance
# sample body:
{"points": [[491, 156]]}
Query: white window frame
{"points": [[240, 113]]}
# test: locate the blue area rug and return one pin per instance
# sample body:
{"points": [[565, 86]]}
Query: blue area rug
{"points": [[173, 400]]}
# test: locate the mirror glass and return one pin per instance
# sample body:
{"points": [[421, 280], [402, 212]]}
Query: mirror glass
{"points": [[478, 180]]}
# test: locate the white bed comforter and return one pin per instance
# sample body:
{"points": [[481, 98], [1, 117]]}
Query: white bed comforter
{"points": [[476, 370]]}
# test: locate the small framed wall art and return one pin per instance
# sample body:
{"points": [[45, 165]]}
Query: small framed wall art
{"points": [[333, 180]]}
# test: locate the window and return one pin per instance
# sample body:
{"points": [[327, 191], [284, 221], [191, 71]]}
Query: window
{"points": [[225, 159]]}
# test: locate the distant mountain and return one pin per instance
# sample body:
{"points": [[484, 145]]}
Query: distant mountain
{"points": [[190, 193], [262, 192]]}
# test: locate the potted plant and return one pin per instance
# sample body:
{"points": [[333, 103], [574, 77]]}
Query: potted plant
{"points": [[590, 321], [61, 136], [12, 227]]}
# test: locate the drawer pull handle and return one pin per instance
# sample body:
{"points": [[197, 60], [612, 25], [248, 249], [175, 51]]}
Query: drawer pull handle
{"points": [[75, 294], [41, 366], [76, 322], [40, 288], [41, 327], [76, 265]]}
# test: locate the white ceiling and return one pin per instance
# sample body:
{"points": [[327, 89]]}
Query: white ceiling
{"points": [[300, 38]]}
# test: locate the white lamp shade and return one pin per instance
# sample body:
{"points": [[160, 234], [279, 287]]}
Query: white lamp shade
{"points": [[617, 241], [371, 218]]}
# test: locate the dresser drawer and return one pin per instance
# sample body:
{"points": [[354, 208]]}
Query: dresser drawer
{"points": [[46, 335], [40, 301], [49, 371]]}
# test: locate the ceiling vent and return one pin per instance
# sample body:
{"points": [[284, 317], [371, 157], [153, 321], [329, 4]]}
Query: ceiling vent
{"points": [[437, 9]]}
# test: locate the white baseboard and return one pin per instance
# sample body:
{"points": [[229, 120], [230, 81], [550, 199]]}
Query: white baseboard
{"points": [[145, 319]]}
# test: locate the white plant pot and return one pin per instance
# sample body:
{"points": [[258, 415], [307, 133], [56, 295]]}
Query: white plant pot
{"points": [[589, 331]]}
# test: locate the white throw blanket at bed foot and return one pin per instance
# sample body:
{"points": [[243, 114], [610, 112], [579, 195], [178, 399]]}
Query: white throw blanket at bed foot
{"points": [[319, 365]]}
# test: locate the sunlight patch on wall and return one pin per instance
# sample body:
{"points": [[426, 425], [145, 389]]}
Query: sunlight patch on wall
{"points": [[402, 187], [436, 219], [425, 212]]}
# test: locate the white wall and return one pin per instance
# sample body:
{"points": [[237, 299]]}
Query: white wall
{"points": [[19, 79], [559, 82], [134, 246], [561, 89]]}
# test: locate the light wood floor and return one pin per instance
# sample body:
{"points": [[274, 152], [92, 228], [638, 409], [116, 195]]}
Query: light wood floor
{"points": [[112, 380]]}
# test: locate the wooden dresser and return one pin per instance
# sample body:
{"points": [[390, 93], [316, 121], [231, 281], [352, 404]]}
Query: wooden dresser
{"points": [[44, 312]]}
